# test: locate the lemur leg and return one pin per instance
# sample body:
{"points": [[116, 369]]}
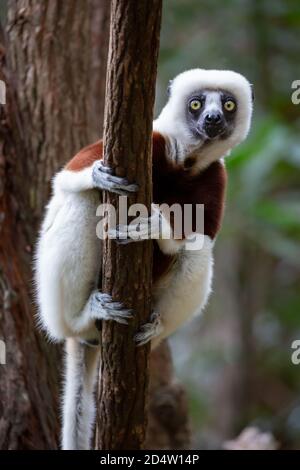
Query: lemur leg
{"points": [[81, 364], [99, 307], [155, 227], [96, 176], [78, 276]]}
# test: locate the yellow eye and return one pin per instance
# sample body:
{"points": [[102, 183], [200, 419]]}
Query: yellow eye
{"points": [[195, 105], [229, 105]]}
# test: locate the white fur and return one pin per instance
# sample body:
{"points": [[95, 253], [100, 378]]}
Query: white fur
{"points": [[185, 290], [68, 253], [170, 122], [67, 261], [73, 182], [78, 400]]}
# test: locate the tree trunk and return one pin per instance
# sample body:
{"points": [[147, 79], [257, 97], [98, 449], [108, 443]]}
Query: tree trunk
{"points": [[127, 270], [54, 75]]}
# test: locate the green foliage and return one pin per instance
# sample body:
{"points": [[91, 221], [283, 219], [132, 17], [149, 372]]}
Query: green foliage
{"points": [[264, 188]]}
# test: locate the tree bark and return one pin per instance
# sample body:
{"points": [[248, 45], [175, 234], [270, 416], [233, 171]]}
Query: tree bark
{"points": [[53, 69], [127, 270]]}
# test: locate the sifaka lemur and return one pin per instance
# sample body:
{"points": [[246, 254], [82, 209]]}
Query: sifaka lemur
{"points": [[207, 114]]}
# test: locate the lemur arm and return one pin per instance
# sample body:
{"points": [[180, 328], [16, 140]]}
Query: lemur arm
{"points": [[77, 175], [86, 171]]}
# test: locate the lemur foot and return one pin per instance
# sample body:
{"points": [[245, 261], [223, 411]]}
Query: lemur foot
{"points": [[103, 308], [104, 178], [149, 330], [146, 228]]}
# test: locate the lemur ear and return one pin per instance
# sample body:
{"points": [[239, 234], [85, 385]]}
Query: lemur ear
{"points": [[252, 92], [169, 88]]}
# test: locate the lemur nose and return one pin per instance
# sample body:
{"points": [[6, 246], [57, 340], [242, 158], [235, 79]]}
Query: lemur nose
{"points": [[213, 118]]}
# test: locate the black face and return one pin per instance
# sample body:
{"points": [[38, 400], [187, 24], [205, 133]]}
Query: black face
{"points": [[211, 114]]}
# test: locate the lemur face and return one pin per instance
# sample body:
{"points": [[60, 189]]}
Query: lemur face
{"points": [[208, 113], [211, 114]]}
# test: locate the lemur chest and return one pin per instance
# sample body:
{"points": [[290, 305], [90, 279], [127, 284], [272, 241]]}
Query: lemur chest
{"points": [[172, 185]]}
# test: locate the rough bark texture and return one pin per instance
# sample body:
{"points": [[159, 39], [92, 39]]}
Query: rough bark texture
{"points": [[54, 71], [127, 270]]}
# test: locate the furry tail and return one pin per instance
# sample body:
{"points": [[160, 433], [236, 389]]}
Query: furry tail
{"points": [[78, 401]]}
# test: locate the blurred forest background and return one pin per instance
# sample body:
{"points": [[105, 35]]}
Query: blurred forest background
{"points": [[236, 360]]}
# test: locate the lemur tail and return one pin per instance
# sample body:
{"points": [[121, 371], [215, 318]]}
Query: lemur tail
{"points": [[78, 397]]}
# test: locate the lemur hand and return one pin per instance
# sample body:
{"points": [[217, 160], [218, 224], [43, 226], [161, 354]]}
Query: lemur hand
{"points": [[104, 178], [154, 227]]}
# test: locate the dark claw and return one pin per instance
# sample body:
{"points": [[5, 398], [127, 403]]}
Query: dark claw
{"points": [[103, 297], [114, 306], [117, 180], [105, 169], [131, 187], [123, 241]]}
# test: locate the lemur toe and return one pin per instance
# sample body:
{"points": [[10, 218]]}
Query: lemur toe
{"points": [[104, 308], [105, 169], [121, 239], [149, 330], [104, 178]]}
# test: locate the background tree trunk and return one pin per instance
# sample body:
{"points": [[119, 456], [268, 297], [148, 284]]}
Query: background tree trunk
{"points": [[127, 270], [53, 62], [53, 108], [169, 425]]}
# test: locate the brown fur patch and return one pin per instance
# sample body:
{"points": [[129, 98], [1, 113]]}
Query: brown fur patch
{"points": [[86, 157], [173, 184], [162, 263]]}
